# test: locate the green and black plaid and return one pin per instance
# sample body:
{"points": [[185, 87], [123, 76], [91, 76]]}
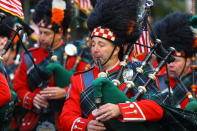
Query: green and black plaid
{"points": [[87, 96], [178, 92], [34, 79]]}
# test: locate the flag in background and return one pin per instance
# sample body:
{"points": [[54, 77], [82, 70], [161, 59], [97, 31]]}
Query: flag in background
{"points": [[84, 5], [13, 7], [143, 40]]}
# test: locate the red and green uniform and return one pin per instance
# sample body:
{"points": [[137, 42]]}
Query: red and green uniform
{"points": [[5, 94], [77, 110], [7, 101], [26, 81]]}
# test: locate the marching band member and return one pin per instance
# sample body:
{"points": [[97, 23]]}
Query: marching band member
{"points": [[36, 93], [175, 30], [6, 96], [10, 56], [112, 25], [7, 70]]}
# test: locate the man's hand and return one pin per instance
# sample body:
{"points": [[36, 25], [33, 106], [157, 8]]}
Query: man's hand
{"points": [[53, 92], [40, 101], [94, 125], [107, 111]]}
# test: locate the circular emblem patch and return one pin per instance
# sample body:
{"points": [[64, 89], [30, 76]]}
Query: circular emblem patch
{"points": [[127, 74]]}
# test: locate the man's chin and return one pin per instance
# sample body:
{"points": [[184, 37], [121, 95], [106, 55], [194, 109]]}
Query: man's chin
{"points": [[173, 76], [44, 45]]}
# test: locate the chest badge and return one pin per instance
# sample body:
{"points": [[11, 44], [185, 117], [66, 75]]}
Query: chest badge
{"points": [[127, 74]]}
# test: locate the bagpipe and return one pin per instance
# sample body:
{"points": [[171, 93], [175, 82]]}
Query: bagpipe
{"points": [[116, 82], [102, 87], [61, 75], [45, 70], [41, 76], [41, 116], [43, 73], [173, 117]]}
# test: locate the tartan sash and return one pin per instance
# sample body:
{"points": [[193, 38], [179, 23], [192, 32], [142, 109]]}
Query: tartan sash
{"points": [[87, 101], [87, 96], [11, 68], [34, 78]]}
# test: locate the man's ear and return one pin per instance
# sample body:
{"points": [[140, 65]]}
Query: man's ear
{"points": [[60, 34], [117, 50], [188, 62]]}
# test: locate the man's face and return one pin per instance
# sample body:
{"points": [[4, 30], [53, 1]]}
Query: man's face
{"points": [[46, 37], [3, 41], [102, 49], [10, 54], [176, 67]]}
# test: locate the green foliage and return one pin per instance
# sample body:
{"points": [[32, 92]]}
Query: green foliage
{"points": [[163, 7]]}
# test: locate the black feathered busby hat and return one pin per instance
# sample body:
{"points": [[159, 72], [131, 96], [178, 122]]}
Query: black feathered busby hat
{"points": [[175, 31], [6, 26], [114, 20], [53, 14], [93, 2]]}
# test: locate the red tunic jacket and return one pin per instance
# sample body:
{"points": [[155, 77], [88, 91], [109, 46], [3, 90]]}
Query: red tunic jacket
{"points": [[21, 86], [5, 94], [71, 117]]}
